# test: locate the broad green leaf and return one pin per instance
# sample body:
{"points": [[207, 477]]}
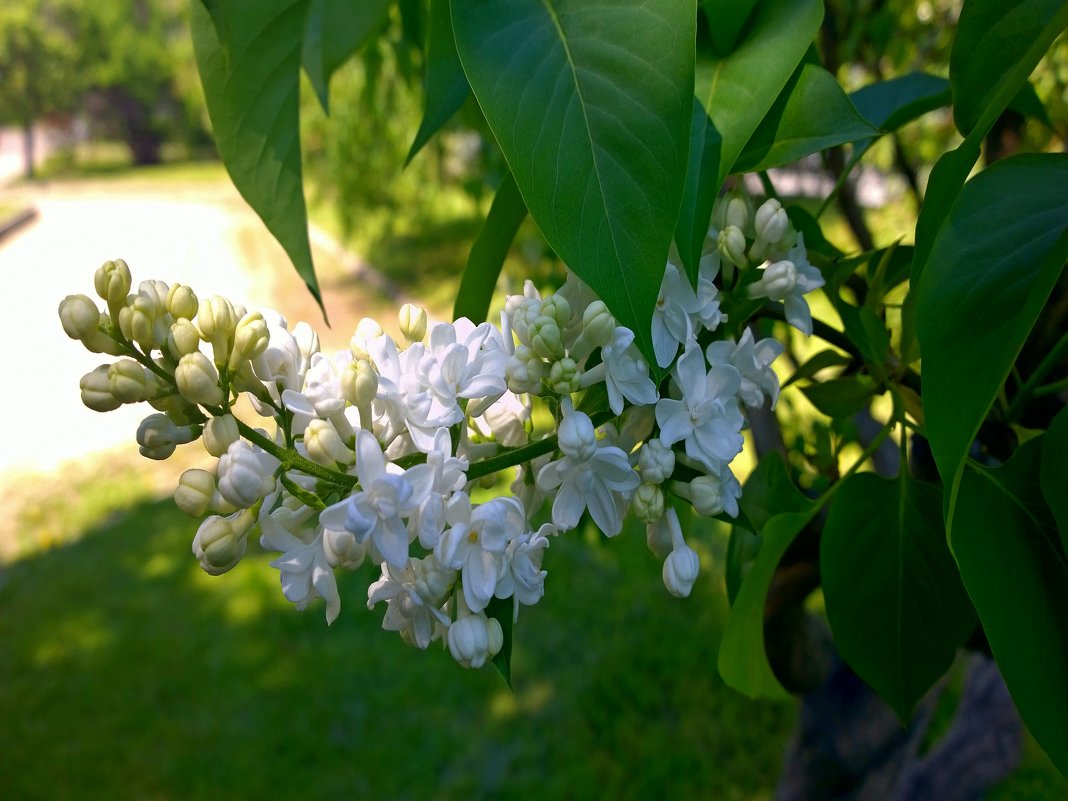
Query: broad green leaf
{"points": [[738, 90], [503, 610], [811, 114], [1006, 547], [890, 104], [726, 18], [591, 106], [742, 549], [894, 597], [445, 86], [334, 32], [989, 273], [868, 332], [489, 252], [743, 661], [841, 397], [821, 361], [997, 45], [1029, 104], [252, 88], [699, 192], [1055, 472]]}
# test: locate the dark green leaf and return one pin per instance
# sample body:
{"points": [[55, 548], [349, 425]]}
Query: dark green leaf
{"points": [[743, 662], [503, 610], [737, 91], [1055, 472], [894, 598], [811, 114], [989, 273], [591, 105], [821, 361], [1028, 103], [868, 332], [445, 86], [334, 32], [742, 549], [1006, 547], [890, 104], [841, 397], [700, 190], [252, 88], [726, 18], [997, 45], [489, 252]]}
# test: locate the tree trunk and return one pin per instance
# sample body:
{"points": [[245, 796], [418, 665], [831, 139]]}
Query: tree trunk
{"points": [[27, 149]]}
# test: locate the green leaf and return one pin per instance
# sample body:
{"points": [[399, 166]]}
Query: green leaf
{"points": [[997, 45], [894, 597], [726, 18], [445, 86], [821, 361], [742, 661], [1006, 548], [700, 190], [841, 397], [503, 610], [489, 252], [1029, 104], [811, 114], [738, 90], [868, 332], [591, 106], [890, 104], [1055, 472], [809, 227], [334, 32], [989, 273], [252, 88]]}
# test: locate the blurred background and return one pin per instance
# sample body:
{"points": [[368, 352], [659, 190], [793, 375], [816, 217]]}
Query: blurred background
{"points": [[125, 672]]}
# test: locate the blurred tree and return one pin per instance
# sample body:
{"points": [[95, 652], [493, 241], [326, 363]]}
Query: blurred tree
{"points": [[42, 71]]}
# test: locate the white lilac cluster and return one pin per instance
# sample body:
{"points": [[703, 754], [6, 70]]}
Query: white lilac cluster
{"points": [[374, 451]]}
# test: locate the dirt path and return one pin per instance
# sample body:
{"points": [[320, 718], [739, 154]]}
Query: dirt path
{"points": [[197, 232]]}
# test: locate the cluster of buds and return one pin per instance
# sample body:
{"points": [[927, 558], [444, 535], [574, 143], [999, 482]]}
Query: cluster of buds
{"points": [[373, 452]]}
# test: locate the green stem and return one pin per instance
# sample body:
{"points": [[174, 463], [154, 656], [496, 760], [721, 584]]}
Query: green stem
{"points": [[1050, 389], [869, 451], [292, 459], [1032, 384]]}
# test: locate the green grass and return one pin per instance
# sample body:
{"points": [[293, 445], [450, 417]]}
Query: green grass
{"points": [[126, 672]]}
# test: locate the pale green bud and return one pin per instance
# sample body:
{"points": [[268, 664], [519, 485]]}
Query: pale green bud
{"points": [[776, 282], [183, 338], [220, 543], [217, 320], [220, 433], [137, 321], [545, 338], [182, 302], [250, 339], [112, 282], [736, 213], [706, 496], [324, 444], [79, 316], [680, 571], [557, 309], [656, 461], [128, 383], [598, 324], [648, 503], [413, 322], [772, 222], [475, 639], [194, 492], [731, 246], [524, 371], [359, 383], [96, 390], [198, 380], [343, 549], [158, 436], [564, 377], [181, 411]]}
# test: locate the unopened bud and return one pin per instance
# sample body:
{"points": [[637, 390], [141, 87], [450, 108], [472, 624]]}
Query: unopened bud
{"points": [[565, 377], [183, 338], [158, 436], [413, 322], [220, 542], [343, 549], [112, 282], [706, 495], [598, 324], [181, 302], [220, 433], [79, 316], [198, 380], [576, 437], [736, 213], [217, 320], [359, 383], [524, 371], [96, 390], [772, 222], [245, 474], [475, 639], [680, 571], [194, 492], [557, 309], [777, 281], [250, 339], [731, 246], [648, 503], [128, 382], [324, 444], [656, 461]]}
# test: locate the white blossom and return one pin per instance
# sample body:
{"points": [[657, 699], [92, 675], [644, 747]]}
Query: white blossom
{"points": [[753, 361]]}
